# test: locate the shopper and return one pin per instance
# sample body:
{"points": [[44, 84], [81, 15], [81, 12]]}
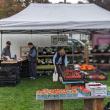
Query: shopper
{"points": [[32, 57], [60, 61], [6, 51]]}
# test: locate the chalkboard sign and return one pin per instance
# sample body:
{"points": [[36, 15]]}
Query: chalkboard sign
{"points": [[59, 40]]}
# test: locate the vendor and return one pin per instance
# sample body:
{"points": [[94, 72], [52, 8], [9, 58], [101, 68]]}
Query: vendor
{"points": [[32, 57], [60, 61], [6, 51]]}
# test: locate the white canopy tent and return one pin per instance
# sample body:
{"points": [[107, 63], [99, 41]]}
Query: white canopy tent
{"points": [[58, 17]]}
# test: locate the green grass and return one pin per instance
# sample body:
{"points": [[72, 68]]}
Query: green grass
{"points": [[22, 97]]}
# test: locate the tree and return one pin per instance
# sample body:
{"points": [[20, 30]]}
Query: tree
{"points": [[25, 3], [11, 7], [103, 3]]}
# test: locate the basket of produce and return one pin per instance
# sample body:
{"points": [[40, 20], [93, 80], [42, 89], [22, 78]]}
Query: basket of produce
{"points": [[86, 67], [56, 94], [72, 75], [96, 75], [85, 91], [82, 90]]}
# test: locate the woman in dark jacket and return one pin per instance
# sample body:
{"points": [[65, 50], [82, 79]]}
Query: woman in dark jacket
{"points": [[60, 61]]}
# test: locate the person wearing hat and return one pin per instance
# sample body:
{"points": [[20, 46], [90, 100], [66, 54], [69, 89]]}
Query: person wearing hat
{"points": [[32, 57], [6, 51]]}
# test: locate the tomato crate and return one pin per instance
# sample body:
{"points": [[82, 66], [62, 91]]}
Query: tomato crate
{"points": [[73, 75]]}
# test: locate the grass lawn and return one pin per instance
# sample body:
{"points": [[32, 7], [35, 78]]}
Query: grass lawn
{"points": [[22, 97]]}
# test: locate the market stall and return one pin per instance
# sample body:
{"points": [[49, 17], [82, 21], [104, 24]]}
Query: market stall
{"points": [[57, 20], [78, 85], [66, 19]]}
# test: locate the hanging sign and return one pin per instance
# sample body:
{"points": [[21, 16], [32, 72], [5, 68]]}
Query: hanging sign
{"points": [[59, 40]]}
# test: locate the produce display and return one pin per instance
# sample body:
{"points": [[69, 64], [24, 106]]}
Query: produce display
{"points": [[45, 57], [45, 61], [46, 50], [78, 49], [96, 76], [78, 59], [68, 50], [101, 49], [100, 56], [52, 50], [81, 89], [72, 75], [62, 93], [86, 67], [56, 93], [90, 89], [84, 72], [85, 91]]}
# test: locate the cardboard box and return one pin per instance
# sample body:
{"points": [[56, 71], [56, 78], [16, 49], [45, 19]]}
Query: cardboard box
{"points": [[97, 89]]}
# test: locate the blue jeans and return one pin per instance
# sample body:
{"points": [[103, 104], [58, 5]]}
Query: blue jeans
{"points": [[32, 69]]}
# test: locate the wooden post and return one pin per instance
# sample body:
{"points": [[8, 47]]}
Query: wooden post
{"points": [[53, 105], [86, 54], [93, 104]]}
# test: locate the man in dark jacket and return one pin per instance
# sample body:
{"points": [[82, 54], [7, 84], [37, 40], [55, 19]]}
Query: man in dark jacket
{"points": [[32, 57], [6, 50]]}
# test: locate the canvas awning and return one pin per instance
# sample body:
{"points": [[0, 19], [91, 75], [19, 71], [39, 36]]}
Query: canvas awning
{"points": [[58, 17]]}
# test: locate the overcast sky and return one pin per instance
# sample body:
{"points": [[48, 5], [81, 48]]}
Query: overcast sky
{"points": [[72, 1]]}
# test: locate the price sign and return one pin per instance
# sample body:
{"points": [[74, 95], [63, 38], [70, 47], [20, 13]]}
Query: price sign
{"points": [[59, 40]]}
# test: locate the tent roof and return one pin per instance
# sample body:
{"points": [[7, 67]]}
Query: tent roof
{"points": [[58, 17]]}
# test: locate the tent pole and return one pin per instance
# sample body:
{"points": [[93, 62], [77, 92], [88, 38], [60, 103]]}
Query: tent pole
{"points": [[64, 1], [70, 35], [31, 35], [1, 43]]}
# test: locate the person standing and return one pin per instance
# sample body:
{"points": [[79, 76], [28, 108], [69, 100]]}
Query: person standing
{"points": [[60, 61], [6, 51], [32, 57]]}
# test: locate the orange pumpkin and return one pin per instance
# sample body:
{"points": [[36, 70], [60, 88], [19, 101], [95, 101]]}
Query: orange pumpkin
{"points": [[86, 67]]}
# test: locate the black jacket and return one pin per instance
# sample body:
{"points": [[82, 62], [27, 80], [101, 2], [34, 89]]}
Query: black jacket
{"points": [[32, 57]]}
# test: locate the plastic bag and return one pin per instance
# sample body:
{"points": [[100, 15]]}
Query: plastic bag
{"points": [[55, 75], [107, 107]]}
